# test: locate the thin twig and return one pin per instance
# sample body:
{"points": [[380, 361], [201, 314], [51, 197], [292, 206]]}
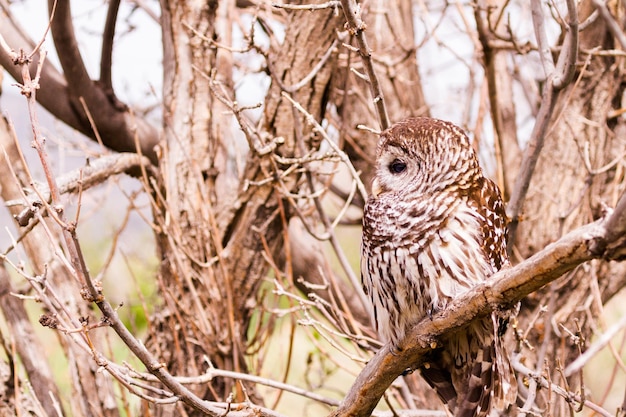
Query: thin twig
{"points": [[346, 160], [541, 355], [569, 396], [309, 7], [595, 348], [342, 155], [356, 27]]}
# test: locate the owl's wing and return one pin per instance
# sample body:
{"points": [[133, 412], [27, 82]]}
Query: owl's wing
{"points": [[490, 205]]}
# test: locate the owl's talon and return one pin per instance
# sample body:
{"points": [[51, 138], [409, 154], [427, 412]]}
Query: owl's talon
{"points": [[394, 349], [407, 371]]}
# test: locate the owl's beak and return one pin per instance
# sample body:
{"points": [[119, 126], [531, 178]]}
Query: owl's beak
{"points": [[376, 188]]}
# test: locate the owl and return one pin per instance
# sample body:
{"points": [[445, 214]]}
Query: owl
{"points": [[433, 228]]}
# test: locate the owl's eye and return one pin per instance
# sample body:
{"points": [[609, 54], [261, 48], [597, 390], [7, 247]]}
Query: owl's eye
{"points": [[397, 166]]}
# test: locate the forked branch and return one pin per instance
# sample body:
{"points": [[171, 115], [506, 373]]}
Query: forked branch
{"points": [[117, 127]]}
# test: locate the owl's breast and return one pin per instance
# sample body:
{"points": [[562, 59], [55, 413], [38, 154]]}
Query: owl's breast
{"points": [[411, 268]]}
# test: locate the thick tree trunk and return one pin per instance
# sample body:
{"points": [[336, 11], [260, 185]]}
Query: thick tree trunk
{"points": [[218, 226]]}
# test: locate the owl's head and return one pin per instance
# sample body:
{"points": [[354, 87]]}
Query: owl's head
{"points": [[424, 155]]}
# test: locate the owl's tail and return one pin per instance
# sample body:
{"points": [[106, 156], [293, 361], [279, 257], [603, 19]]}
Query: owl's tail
{"points": [[472, 373]]}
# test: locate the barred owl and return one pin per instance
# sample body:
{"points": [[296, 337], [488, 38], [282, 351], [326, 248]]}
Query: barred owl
{"points": [[433, 228]]}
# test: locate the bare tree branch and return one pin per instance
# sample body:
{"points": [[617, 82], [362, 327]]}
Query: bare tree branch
{"points": [[117, 126], [613, 246], [614, 27], [557, 79], [501, 100], [357, 27], [62, 29], [108, 39], [566, 64], [93, 173], [53, 94]]}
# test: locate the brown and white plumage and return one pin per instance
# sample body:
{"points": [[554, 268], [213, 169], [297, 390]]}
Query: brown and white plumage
{"points": [[434, 228]]}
